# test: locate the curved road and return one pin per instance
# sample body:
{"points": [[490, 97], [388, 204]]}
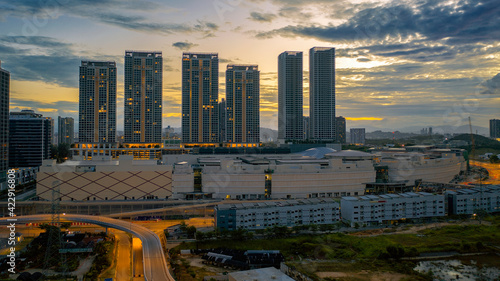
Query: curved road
{"points": [[155, 265]]}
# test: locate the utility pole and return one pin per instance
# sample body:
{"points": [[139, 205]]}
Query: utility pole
{"points": [[54, 238]]}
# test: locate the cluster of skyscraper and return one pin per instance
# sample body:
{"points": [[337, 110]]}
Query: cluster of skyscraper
{"points": [[201, 113], [322, 123], [143, 99]]}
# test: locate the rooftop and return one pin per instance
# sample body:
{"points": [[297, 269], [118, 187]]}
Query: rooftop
{"points": [[269, 273], [270, 204]]}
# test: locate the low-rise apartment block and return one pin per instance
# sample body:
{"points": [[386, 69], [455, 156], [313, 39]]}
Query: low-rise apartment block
{"points": [[377, 209], [289, 213], [469, 201]]}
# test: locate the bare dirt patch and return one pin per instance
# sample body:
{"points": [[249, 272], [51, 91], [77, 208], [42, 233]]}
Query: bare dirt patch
{"points": [[364, 275]]}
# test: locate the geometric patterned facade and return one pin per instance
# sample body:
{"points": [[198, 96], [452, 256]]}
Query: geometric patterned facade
{"points": [[88, 183]]}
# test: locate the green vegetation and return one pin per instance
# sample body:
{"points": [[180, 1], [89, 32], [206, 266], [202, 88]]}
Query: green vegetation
{"points": [[343, 252], [482, 144], [104, 252]]}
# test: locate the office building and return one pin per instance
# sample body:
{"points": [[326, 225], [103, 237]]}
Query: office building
{"points": [[290, 97], [358, 136], [200, 97], [340, 130], [143, 97], [222, 120], [65, 130], [97, 106], [4, 126], [322, 93], [387, 208], [252, 216], [495, 128], [30, 136], [242, 105]]}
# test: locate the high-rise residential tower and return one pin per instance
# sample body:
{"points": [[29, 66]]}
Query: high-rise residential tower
{"points": [[242, 104], [4, 125], [222, 120], [290, 96], [340, 130], [65, 130], [30, 139], [143, 97], [357, 136], [322, 93], [494, 128], [97, 115], [200, 98]]}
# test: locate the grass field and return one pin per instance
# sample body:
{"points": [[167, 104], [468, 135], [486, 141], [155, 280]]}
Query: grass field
{"points": [[353, 253]]}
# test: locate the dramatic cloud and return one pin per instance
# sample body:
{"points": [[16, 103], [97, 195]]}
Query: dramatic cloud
{"points": [[262, 17], [462, 22], [185, 46], [128, 14], [492, 86]]}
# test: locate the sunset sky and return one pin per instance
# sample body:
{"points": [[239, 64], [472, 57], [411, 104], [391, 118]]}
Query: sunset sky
{"points": [[399, 63]]}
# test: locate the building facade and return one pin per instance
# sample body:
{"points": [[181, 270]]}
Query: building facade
{"points": [[126, 180], [358, 136], [30, 139], [242, 104], [322, 93], [495, 128], [253, 216], [4, 125], [471, 201], [387, 208], [222, 120], [200, 98], [97, 104], [307, 127], [65, 130], [290, 96], [340, 130], [143, 97]]}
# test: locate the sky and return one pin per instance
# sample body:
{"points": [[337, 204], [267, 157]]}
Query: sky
{"points": [[399, 63]]}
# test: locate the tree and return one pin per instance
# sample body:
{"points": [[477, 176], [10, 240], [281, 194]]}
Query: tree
{"points": [[395, 252], [65, 225], [190, 231], [494, 159], [60, 152]]}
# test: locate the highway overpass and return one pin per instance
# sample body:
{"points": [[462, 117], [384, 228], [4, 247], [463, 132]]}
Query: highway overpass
{"points": [[155, 265]]}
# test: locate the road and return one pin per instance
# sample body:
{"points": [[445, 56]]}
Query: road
{"points": [[493, 170], [137, 266], [123, 257], [155, 265]]}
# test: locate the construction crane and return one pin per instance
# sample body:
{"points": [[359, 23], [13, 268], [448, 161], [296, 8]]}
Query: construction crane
{"points": [[473, 148]]}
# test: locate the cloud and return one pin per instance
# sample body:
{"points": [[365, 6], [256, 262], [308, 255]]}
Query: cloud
{"points": [[364, 118], [294, 13], [38, 41], [491, 86], [184, 45], [262, 17], [127, 14], [464, 22], [141, 24]]}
